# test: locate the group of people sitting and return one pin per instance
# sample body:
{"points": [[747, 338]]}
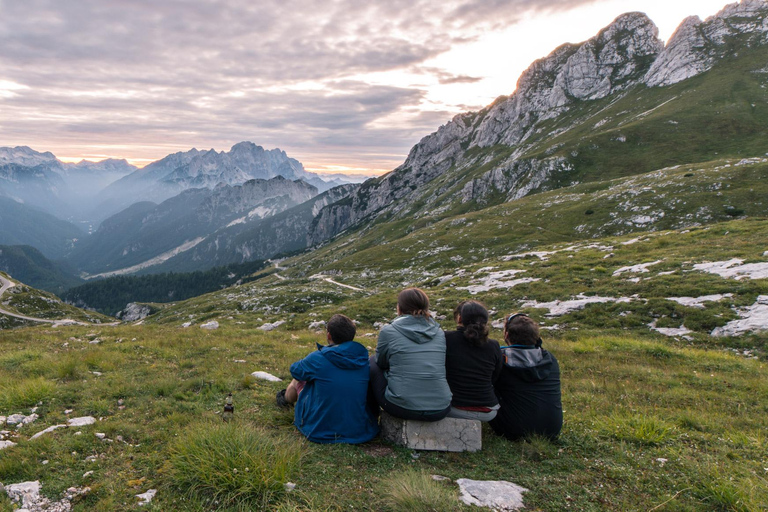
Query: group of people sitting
{"points": [[420, 372]]}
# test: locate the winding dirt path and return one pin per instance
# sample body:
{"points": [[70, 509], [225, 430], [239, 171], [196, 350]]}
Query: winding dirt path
{"points": [[8, 284]]}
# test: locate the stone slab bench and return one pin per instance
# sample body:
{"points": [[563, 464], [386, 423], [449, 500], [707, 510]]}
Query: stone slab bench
{"points": [[446, 435]]}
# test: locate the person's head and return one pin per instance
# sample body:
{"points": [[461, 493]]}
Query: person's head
{"points": [[413, 301], [457, 312], [341, 329], [520, 329], [474, 317]]}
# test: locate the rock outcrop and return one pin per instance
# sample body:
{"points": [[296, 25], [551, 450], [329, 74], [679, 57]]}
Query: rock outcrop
{"points": [[697, 45], [624, 56]]}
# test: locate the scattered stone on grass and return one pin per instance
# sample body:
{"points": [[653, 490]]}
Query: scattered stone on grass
{"points": [[735, 269], [289, 486], [636, 269], [562, 307], [670, 331], [6, 444], [268, 327], [440, 478], [2, 420], [497, 495], [752, 319], [27, 495], [496, 280], [698, 302], [212, 325], [146, 497], [186, 324], [317, 325], [81, 421], [266, 376], [46, 431]]}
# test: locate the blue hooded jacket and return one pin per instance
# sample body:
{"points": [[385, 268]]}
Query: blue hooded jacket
{"points": [[332, 406]]}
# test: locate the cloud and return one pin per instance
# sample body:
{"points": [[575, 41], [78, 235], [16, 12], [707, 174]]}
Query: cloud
{"points": [[279, 72]]}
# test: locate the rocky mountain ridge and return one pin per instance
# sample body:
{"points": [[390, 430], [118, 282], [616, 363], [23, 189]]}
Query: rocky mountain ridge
{"points": [[146, 231], [627, 56], [181, 171]]}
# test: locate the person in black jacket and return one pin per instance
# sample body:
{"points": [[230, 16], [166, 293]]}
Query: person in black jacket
{"points": [[472, 364], [529, 385]]}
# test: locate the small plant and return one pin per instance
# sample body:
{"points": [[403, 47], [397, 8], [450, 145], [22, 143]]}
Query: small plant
{"points": [[417, 491], [233, 464]]}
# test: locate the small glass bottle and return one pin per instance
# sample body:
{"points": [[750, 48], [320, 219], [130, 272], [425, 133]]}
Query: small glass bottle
{"points": [[229, 409]]}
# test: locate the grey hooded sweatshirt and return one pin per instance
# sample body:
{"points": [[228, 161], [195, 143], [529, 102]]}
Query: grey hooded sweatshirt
{"points": [[411, 353]]}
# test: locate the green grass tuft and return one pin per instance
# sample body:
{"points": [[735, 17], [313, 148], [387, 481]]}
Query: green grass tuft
{"points": [[25, 393], [417, 491], [233, 465], [643, 430]]}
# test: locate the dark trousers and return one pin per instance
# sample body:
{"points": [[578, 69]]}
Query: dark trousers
{"points": [[377, 387]]}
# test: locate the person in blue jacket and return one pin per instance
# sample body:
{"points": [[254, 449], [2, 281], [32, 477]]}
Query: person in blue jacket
{"points": [[330, 389]]}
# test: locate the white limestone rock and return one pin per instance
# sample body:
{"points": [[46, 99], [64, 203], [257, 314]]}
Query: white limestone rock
{"points": [[24, 493], [6, 444], [212, 325], [266, 376], [752, 319], [146, 497], [15, 419], [134, 312], [81, 421], [47, 430], [274, 325], [496, 495]]}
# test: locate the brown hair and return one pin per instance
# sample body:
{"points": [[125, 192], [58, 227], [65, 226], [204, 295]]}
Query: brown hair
{"points": [[457, 311], [341, 329], [521, 329], [413, 301]]}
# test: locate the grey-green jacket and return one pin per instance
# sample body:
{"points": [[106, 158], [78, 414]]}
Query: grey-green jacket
{"points": [[411, 352]]}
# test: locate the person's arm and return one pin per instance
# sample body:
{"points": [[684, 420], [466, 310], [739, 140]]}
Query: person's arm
{"points": [[306, 369], [499, 362], [382, 348]]}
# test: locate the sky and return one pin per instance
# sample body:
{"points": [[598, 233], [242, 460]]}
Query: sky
{"points": [[341, 85]]}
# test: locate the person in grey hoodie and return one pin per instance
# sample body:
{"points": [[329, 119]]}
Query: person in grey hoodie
{"points": [[407, 372]]}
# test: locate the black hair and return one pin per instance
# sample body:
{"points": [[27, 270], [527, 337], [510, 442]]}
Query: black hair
{"points": [[474, 318], [520, 329], [341, 329], [413, 301]]}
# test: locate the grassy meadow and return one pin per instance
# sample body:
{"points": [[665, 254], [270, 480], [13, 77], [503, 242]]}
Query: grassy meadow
{"points": [[651, 422]]}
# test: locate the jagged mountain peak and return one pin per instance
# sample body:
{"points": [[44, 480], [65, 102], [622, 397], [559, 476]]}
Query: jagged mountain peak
{"points": [[696, 45], [26, 156]]}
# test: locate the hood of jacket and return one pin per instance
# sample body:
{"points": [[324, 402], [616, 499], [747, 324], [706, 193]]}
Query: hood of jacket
{"points": [[347, 355], [530, 364], [416, 328]]}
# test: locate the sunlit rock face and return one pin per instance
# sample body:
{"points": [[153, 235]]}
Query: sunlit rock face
{"points": [[609, 62], [696, 45], [625, 55]]}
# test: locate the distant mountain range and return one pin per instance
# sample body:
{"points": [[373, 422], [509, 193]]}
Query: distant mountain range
{"points": [[618, 105]]}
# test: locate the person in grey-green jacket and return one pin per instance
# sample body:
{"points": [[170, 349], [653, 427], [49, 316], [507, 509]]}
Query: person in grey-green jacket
{"points": [[407, 377]]}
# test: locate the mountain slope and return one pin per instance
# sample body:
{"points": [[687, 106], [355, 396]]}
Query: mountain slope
{"points": [[30, 266], [146, 231], [246, 239], [584, 113], [23, 225]]}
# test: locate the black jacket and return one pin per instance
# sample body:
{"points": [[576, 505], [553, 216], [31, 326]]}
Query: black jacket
{"points": [[529, 394], [471, 371]]}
